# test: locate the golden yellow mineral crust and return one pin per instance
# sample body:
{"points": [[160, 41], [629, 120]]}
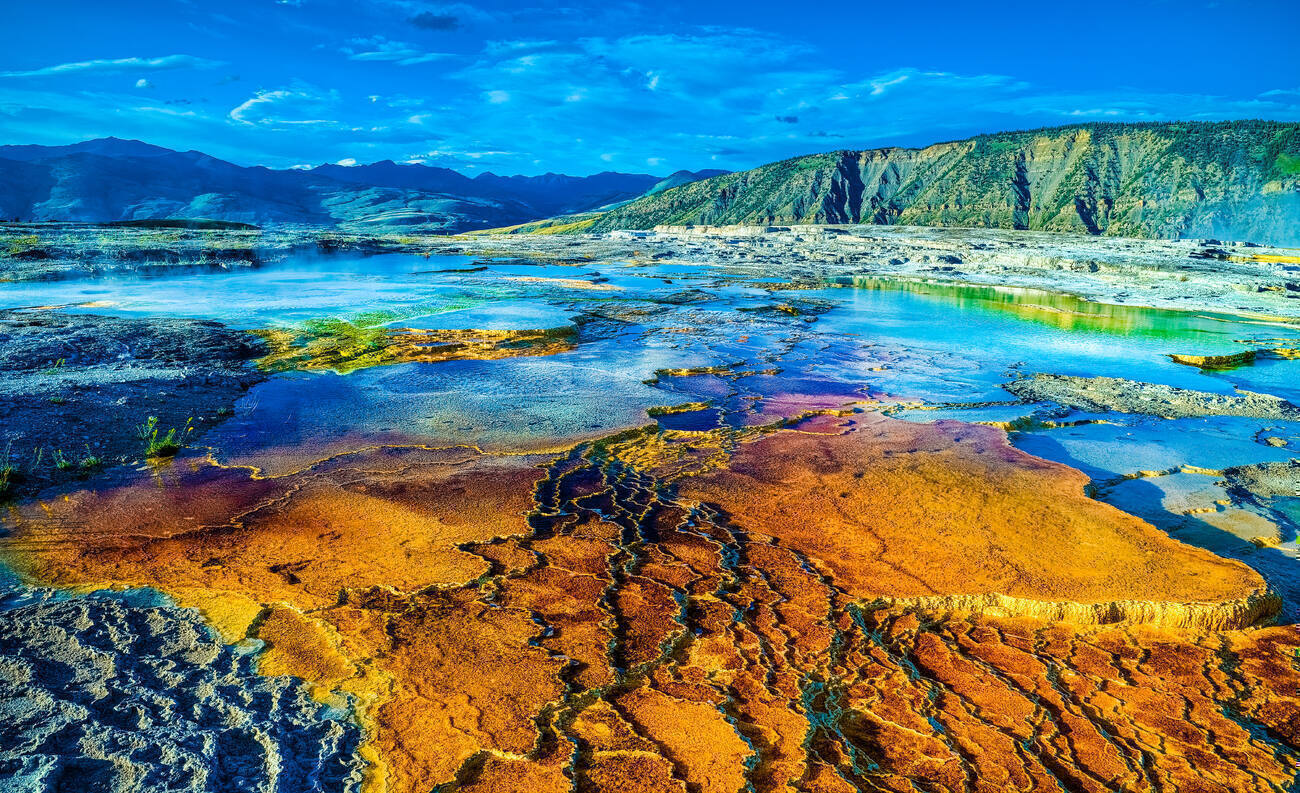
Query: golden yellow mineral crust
{"points": [[949, 515], [850, 603], [344, 347]]}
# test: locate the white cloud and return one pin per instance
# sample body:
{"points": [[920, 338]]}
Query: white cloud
{"points": [[379, 48], [118, 65], [712, 95], [297, 105], [883, 84], [143, 83], [458, 157], [503, 48], [707, 97], [1095, 111], [167, 111], [249, 110]]}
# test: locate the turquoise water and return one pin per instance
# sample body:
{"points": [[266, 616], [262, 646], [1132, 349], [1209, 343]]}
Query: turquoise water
{"points": [[1040, 332], [915, 341], [777, 351]]}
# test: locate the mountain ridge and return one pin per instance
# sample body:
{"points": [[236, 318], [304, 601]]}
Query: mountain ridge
{"points": [[112, 179], [1238, 179]]}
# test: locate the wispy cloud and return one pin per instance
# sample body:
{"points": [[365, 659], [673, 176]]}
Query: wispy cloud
{"points": [[518, 47], [542, 94], [118, 66], [298, 105], [378, 48], [739, 97]]}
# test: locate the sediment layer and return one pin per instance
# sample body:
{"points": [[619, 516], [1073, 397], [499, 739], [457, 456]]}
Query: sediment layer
{"points": [[1228, 615], [1102, 394], [122, 694], [932, 511]]}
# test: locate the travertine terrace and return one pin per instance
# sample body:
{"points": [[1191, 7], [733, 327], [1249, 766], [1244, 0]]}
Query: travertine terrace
{"points": [[802, 614]]}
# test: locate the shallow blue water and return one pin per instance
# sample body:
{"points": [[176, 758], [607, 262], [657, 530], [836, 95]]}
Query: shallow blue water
{"points": [[864, 339]]}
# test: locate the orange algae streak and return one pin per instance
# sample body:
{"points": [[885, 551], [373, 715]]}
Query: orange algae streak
{"points": [[299, 538], [298, 645], [568, 283], [706, 748], [466, 680]]}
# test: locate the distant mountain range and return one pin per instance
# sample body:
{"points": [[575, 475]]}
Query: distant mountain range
{"points": [[110, 179], [1237, 180]]}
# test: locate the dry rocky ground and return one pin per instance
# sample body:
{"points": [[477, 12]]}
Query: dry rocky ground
{"points": [[1195, 274]]}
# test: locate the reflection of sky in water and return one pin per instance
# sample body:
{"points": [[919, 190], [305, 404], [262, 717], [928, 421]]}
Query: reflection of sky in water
{"points": [[300, 287], [1149, 443], [493, 315], [980, 325], [305, 287], [512, 404], [936, 343]]}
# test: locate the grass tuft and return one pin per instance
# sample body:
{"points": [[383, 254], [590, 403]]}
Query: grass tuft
{"points": [[8, 471], [158, 446], [91, 461]]}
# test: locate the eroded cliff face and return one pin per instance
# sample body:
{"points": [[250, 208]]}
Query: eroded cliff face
{"points": [[1239, 180]]}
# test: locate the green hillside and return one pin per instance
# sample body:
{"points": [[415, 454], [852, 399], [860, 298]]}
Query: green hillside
{"points": [[1237, 179]]}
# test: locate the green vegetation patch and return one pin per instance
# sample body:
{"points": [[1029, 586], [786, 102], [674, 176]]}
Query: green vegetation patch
{"points": [[346, 345], [1288, 165], [158, 445], [24, 243]]}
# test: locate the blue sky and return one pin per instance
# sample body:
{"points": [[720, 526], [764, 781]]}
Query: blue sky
{"points": [[577, 87]]}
